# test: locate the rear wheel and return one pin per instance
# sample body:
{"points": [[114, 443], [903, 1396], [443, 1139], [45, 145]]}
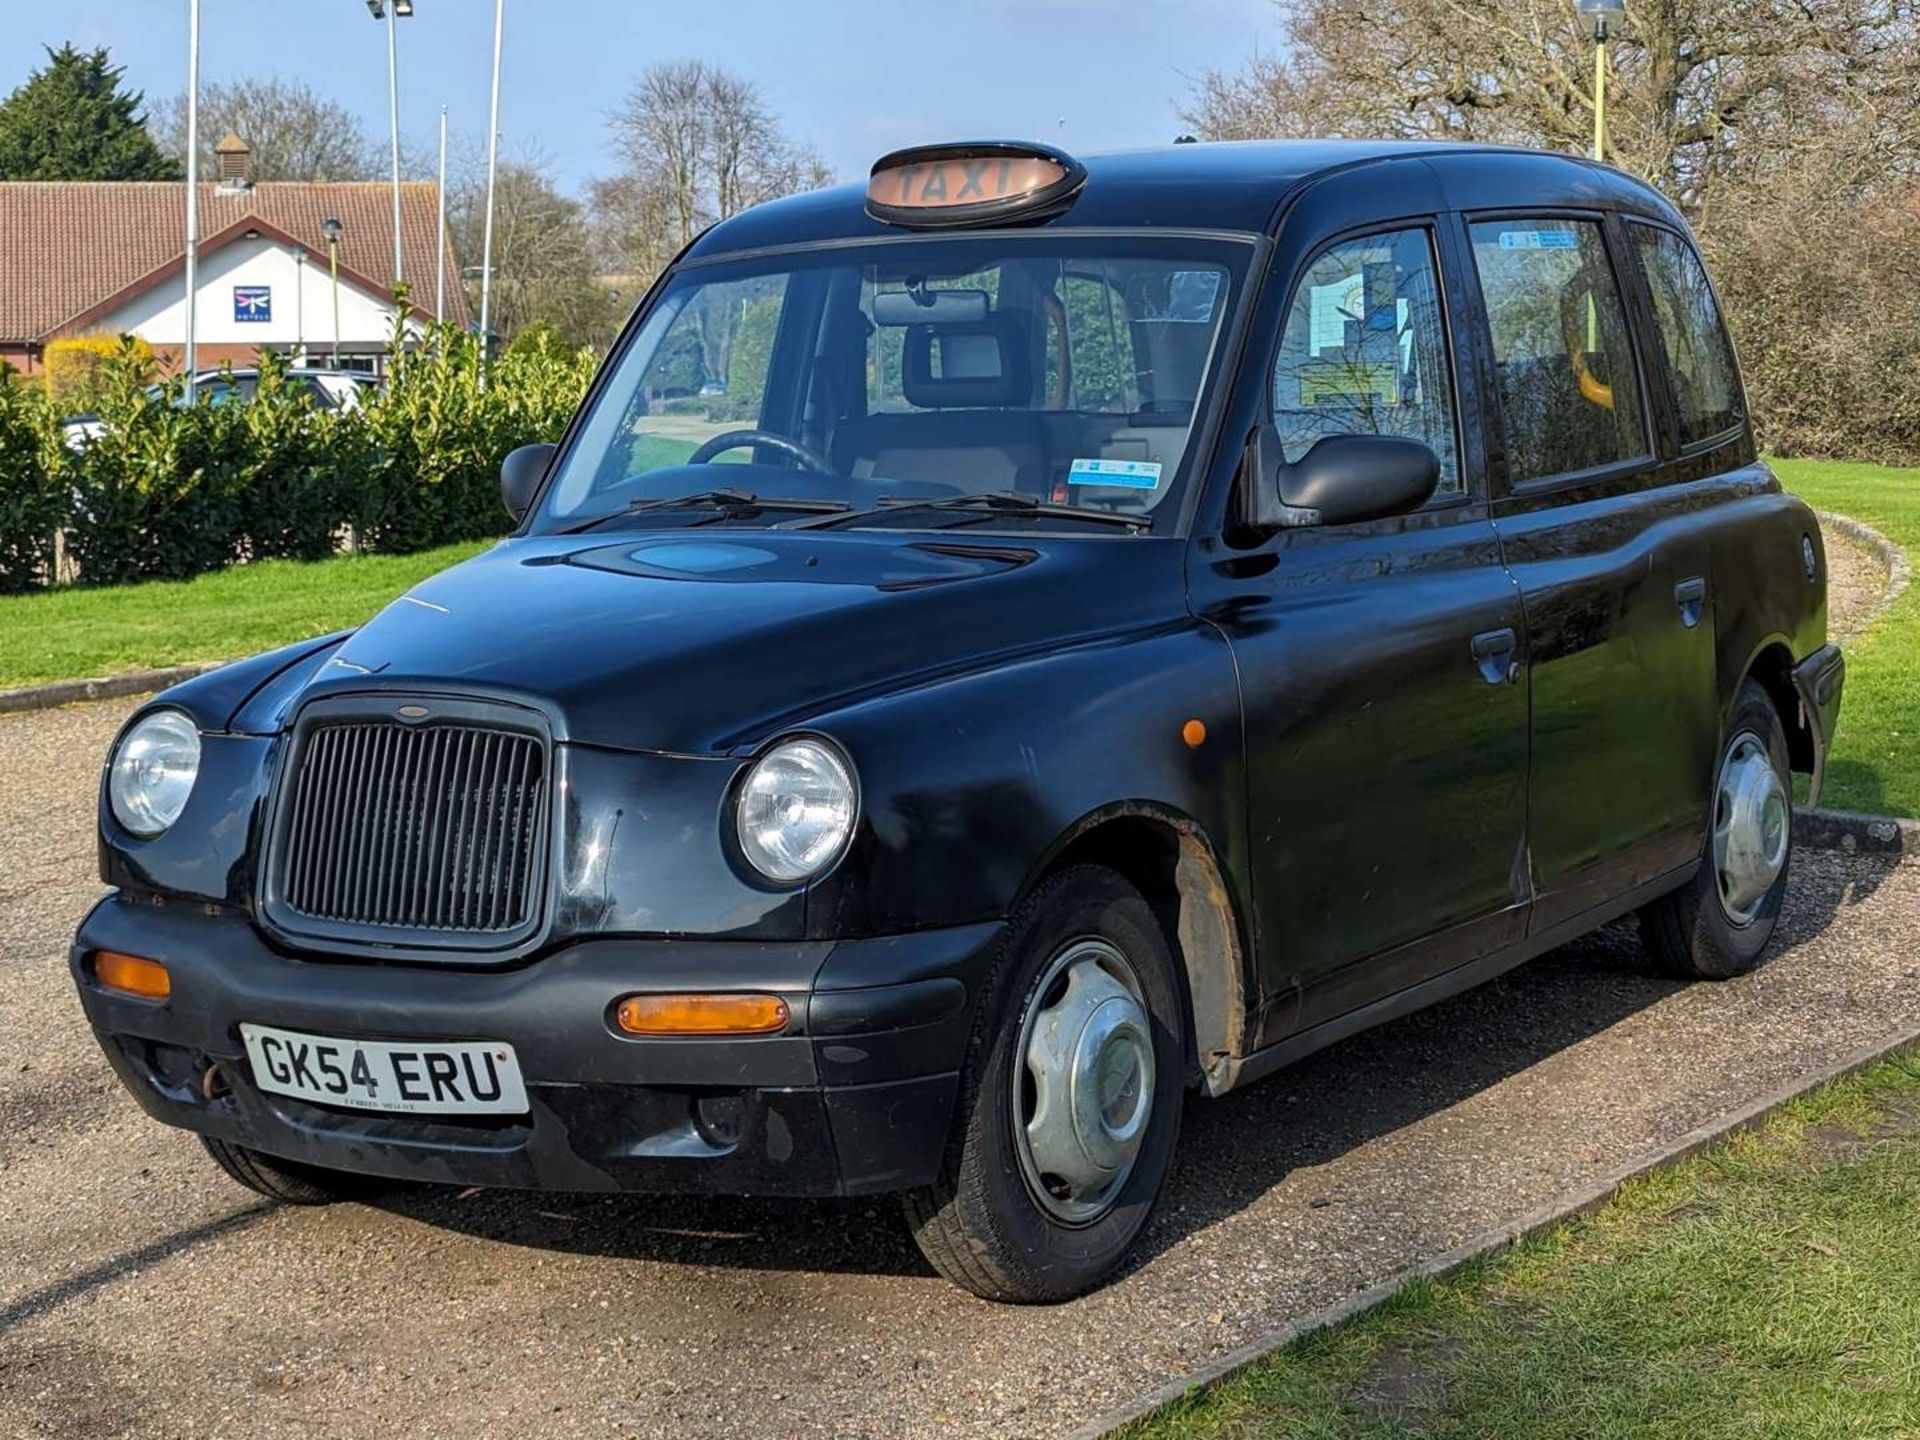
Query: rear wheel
{"points": [[1717, 926], [287, 1181], [1070, 1100]]}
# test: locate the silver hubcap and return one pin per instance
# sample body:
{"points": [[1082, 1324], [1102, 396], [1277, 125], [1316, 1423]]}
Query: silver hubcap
{"points": [[1083, 1081], [1752, 819]]}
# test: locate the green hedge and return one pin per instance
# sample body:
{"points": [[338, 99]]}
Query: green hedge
{"points": [[169, 491]]}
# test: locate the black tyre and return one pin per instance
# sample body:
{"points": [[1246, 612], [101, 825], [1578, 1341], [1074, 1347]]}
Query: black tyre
{"points": [[1717, 925], [287, 1181], [1070, 1098]]}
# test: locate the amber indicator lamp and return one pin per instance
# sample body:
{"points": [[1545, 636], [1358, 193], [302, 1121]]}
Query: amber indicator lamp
{"points": [[702, 1014], [132, 975]]}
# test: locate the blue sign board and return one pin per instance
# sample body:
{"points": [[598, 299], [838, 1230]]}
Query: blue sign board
{"points": [[252, 303]]}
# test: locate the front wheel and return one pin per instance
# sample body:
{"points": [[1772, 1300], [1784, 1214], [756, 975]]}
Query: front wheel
{"points": [[1070, 1098], [1717, 925]]}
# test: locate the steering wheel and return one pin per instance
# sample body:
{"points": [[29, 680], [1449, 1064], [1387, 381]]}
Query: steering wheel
{"points": [[734, 439]]}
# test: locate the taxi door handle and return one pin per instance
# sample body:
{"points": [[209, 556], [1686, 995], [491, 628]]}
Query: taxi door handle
{"points": [[1493, 652], [1691, 596]]}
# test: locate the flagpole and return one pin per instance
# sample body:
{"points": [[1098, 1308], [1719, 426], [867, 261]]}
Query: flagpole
{"points": [[440, 246], [193, 185], [493, 155]]}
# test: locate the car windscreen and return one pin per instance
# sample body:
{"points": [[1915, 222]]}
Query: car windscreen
{"points": [[1066, 368]]}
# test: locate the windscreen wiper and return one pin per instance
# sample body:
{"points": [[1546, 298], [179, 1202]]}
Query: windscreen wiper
{"points": [[1005, 502], [728, 501]]}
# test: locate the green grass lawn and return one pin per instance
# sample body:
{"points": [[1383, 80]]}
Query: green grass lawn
{"points": [[1768, 1288], [63, 634], [1875, 761]]}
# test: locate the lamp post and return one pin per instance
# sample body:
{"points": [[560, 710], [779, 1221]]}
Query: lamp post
{"points": [[392, 11], [1600, 12], [333, 229]]}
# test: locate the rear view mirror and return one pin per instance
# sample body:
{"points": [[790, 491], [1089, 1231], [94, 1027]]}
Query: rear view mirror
{"points": [[1344, 479], [520, 476], [929, 307]]}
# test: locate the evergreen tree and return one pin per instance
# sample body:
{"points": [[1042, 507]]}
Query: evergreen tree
{"points": [[72, 121]]}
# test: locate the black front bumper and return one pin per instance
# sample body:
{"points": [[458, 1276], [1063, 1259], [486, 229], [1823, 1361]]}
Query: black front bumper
{"points": [[856, 1097]]}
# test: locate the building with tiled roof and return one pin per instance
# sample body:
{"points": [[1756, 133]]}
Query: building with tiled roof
{"points": [[108, 257]]}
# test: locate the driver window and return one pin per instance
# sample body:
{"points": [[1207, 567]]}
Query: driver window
{"points": [[709, 374], [1365, 351]]}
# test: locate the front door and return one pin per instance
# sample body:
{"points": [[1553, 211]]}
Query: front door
{"points": [[1381, 667], [1613, 565]]}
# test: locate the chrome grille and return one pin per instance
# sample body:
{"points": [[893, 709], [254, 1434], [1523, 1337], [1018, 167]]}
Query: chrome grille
{"points": [[414, 827]]}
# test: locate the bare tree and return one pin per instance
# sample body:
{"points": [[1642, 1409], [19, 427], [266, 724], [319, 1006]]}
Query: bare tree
{"points": [[1701, 90], [699, 145], [295, 133], [545, 273], [1763, 119]]}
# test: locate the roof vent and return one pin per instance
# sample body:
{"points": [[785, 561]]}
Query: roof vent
{"points": [[235, 159]]}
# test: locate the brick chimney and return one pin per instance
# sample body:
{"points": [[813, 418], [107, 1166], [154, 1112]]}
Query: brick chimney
{"points": [[235, 162]]}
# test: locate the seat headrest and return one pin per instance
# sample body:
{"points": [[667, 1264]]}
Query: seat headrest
{"points": [[979, 363]]}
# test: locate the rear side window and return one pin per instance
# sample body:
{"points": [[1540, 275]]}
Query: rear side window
{"points": [[1706, 387], [1569, 390], [1365, 351]]}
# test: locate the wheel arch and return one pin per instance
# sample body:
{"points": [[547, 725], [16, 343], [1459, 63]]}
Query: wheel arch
{"points": [[1168, 857], [1770, 666]]}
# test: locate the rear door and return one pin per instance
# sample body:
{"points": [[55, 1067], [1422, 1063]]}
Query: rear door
{"points": [[1386, 728], [1613, 563]]}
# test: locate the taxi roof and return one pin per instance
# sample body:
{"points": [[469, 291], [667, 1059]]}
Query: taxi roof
{"points": [[1213, 185]]}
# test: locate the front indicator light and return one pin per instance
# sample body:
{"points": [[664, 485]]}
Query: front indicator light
{"points": [[702, 1014], [132, 975]]}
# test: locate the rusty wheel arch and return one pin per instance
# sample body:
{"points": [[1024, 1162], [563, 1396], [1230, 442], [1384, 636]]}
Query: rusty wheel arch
{"points": [[1168, 857]]}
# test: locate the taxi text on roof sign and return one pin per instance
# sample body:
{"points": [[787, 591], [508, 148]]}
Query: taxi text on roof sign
{"points": [[971, 183]]}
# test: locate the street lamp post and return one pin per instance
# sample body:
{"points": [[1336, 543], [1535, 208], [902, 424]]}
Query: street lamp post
{"points": [[333, 227], [1600, 12], [392, 11]]}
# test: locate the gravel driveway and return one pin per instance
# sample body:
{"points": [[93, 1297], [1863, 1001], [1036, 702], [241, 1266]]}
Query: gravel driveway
{"points": [[142, 1293]]}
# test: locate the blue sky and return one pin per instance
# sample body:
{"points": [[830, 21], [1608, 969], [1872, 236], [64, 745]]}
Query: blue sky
{"points": [[854, 77]]}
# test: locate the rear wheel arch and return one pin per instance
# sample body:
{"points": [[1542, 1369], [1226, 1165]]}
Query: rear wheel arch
{"points": [[1168, 858]]}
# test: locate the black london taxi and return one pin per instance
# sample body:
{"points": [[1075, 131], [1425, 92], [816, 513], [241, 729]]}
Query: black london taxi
{"points": [[998, 649]]}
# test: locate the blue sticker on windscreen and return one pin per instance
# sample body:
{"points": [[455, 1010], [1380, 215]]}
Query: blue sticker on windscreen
{"points": [[1132, 474], [1539, 240]]}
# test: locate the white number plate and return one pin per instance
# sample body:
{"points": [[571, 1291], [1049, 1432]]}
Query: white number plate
{"points": [[479, 1077]]}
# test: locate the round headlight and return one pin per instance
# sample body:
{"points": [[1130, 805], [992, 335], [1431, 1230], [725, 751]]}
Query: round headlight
{"points": [[796, 810], [153, 772]]}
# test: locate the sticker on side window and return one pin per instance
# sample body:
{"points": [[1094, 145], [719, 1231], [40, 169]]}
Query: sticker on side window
{"points": [[1131, 474], [1539, 240]]}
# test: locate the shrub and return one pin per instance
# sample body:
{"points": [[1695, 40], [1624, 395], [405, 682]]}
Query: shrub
{"points": [[32, 505], [166, 490], [72, 365]]}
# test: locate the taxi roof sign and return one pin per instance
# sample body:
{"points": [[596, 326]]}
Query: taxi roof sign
{"points": [[971, 183]]}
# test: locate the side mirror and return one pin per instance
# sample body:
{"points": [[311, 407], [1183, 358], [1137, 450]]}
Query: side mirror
{"points": [[520, 476], [1348, 478]]}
